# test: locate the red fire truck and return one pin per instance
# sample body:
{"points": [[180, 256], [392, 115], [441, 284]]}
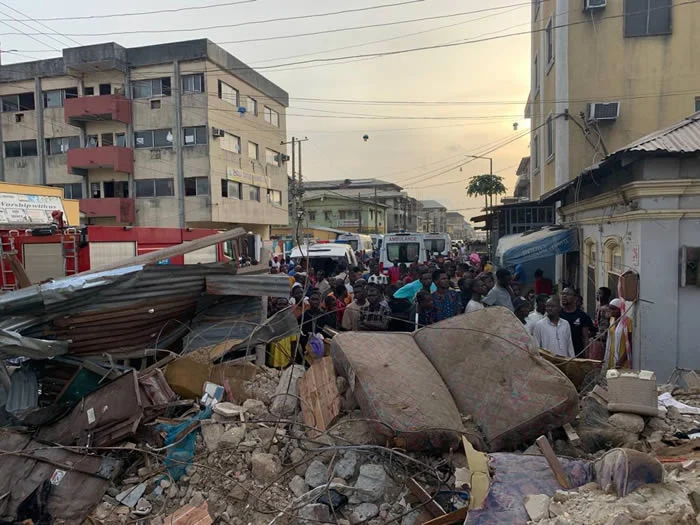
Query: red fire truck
{"points": [[50, 252]]}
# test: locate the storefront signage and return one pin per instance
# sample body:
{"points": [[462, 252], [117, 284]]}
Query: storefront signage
{"points": [[22, 210]]}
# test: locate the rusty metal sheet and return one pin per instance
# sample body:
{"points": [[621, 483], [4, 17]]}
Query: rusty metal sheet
{"points": [[102, 418], [249, 285], [80, 480]]}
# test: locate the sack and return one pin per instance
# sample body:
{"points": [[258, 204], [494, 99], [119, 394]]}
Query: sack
{"points": [[398, 390], [623, 470], [492, 367]]}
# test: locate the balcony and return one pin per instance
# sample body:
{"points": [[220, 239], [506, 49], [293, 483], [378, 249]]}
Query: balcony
{"points": [[122, 210], [116, 158], [103, 107]]}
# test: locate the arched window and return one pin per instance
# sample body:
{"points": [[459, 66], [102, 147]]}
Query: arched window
{"points": [[591, 272], [613, 255]]}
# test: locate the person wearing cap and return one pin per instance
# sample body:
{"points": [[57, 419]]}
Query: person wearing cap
{"points": [[618, 349]]}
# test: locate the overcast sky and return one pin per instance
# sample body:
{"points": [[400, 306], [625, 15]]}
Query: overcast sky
{"points": [[475, 91]]}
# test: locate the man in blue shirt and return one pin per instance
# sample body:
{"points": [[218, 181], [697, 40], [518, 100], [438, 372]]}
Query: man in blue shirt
{"points": [[446, 302]]}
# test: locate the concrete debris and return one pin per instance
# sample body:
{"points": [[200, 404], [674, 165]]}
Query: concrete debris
{"points": [[233, 437], [131, 496], [212, 433], [316, 474], [632, 423], [346, 467], [371, 483], [286, 398], [228, 410], [255, 408], [537, 506], [298, 486], [265, 467], [314, 514], [364, 512]]}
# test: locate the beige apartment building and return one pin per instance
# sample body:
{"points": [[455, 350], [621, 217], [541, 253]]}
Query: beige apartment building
{"points": [[605, 73], [179, 135]]}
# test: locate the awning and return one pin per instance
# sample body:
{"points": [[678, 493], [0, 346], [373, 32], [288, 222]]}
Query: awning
{"points": [[524, 247]]}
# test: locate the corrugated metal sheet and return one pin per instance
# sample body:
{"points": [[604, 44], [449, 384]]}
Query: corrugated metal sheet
{"points": [[681, 137], [252, 285], [12, 344]]}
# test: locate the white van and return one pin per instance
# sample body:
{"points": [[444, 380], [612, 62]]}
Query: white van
{"points": [[377, 240], [357, 241], [437, 244], [405, 248], [325, 256]]}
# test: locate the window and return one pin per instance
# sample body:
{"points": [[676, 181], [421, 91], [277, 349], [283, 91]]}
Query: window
{"points": [[328, 216], [155, 104], [20, 148], [107, 139], [549, 34], [155, 187], [120, 139], [536, 8], [341, 215], [21, 102], [92, 141], [535, 153], [272, 117], [252, 106], [19, 117], [536, 74], [228, 94], [56, 97], [274, 197], [89, 91], [71, 191], [195, 186], [155, 138], [613, 256], [253, 193], [550, 137], [647, 17], [272, 157], [252, 150], [312, 215], [231, 189], [58, 145], [193, 83], [105, 89], [697, 103], [195, 135], [230, 142], [155, 87], [405, 252]]}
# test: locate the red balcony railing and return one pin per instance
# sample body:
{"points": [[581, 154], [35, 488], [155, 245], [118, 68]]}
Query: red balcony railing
{"points": [[102, 107], [117, 158], [123, 210]]}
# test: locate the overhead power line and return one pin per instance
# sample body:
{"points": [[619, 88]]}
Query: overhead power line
{"points": [[68, 39], [253, 22], [138, 13]]}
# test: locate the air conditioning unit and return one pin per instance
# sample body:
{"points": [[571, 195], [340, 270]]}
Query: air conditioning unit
{"points": [[216, 132], [594, 4], [281, 157], [604, 111]]}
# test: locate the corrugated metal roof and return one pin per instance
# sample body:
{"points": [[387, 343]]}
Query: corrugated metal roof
{"points": [[681, 137]]}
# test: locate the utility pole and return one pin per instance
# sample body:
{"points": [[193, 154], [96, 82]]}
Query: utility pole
{"points": [[376, 216], [359, 207], [297, 188]]}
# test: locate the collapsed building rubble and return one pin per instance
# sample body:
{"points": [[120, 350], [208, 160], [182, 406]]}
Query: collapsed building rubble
{"points": [[137, 395]]}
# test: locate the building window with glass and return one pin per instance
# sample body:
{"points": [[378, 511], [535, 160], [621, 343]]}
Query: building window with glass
{"points": [[20, 102], [58, 145], [272, 117], [155, 138], [154, 187], [252, 150], [194, 136], [230, 189], [196, 186], [647, 17], [272, 157], [228, 94], [274, 197], [20, 148], [252, 106], [549, 35], [230, 142], [154, 87], [550, 137], [193, 83], [71, 191], [56, 97]]}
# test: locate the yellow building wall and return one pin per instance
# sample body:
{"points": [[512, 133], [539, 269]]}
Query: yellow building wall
{"points": [[71, 207], [655, 78]]}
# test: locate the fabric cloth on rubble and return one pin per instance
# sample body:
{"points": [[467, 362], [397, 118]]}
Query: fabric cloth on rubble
{"points": [[281, 352], [518, 475], [624, 470], [181, 452]]}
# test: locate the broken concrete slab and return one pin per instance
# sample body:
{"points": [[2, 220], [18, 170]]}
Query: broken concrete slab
{"points": [[537, 506], [286, 398], [265, 467]]}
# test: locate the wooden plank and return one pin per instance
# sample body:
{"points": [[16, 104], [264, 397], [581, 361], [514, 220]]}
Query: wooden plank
{"points": [[553, 461], [320, 399], [458, 516], [22, 279], [427, 501], [572, 435]]}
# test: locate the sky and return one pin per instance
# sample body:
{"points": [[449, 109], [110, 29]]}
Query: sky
{"points": [[423, 111]]}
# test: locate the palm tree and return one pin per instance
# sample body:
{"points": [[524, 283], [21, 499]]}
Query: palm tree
{"points": [[487, 185]]}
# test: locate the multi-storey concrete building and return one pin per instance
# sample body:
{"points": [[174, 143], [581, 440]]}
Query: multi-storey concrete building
{"points": [[603, 74], [435, 217], [403, 211], [179, 134]]}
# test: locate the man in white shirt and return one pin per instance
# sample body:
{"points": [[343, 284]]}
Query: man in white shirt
{"points": [[553, 333], [538, 313]]}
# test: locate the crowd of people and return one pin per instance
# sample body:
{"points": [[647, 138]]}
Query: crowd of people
{"points": [[408, 297]]}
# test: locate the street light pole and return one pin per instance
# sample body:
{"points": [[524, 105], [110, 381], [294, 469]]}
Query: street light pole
{"points": [[490, 159]]}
